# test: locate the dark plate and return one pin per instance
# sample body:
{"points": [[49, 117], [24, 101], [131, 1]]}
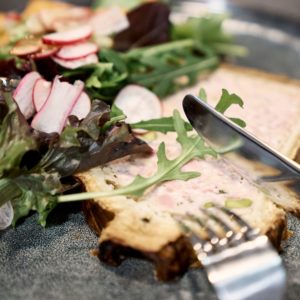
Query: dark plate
{"points": [[56, 263]]}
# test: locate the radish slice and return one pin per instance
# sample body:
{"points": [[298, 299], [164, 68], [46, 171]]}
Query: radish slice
{"points": [[77, 51], [26, 47], [76, 63], [82, 106], [54, 113], [45, 51], [6, 215], [23, 94], [68, 37], [138, 104], [49, 17], [41, 91], [111, 20], [34, 24]]}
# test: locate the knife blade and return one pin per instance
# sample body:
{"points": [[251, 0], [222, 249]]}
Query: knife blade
{"points": [[221, 133]]}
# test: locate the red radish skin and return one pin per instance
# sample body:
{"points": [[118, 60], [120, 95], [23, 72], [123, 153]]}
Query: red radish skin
{"points": [[76, 63], [23, 94], [54, 113], [82, 106], [77, 51], [45, 51], [41, 91], [68, 37], [138, 104]]}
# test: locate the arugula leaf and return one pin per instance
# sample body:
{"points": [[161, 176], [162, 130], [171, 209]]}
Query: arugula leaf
{"points": [[191, 147], [209, 35], [15, 138], [164, 125], [202, 95], [226, 101], [169, 70], [104, 79]]}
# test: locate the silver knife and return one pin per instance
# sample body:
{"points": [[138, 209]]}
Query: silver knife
{"points": [[220, 132]]}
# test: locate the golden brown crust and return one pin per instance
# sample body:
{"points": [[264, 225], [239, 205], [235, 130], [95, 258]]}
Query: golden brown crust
{"points": [[259, 73], [173, 259], [173, 254]]}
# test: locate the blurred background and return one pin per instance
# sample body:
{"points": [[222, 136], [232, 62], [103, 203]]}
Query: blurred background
{"points": [[288, 8], [269, 29]]}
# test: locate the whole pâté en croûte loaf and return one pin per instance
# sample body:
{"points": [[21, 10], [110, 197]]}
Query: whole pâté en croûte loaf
{"points": [[145, 227]]}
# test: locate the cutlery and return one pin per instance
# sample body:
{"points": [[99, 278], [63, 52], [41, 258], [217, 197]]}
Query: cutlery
{"points": [[222, 133], [240, 264]]}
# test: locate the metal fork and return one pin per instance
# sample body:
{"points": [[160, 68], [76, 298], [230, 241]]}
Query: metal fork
{"points": [[239, 262]]}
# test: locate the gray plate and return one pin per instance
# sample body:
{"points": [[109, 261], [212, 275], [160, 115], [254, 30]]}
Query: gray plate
{"points": [[55, 263]]}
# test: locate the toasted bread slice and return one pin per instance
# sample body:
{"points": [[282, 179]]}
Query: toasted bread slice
{"points": [[145, 228]]}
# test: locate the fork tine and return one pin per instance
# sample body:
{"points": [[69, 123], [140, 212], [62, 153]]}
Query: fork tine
{"points": [[229, 232], [245, 228], [212, 234]]}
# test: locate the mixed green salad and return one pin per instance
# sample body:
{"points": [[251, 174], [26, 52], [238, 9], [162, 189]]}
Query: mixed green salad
{"points": [[67, 112]]}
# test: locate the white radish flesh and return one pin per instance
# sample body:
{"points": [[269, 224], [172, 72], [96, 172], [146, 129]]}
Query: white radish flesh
{"points": [[41, 91], [82, 106], [77, 51], [54, 113], [6, 215], [76, 63], [23, 94], [109, 21], [49, 17], [138, 104], [68, 37]]}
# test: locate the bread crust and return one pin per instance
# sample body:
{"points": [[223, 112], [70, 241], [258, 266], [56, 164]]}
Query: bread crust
{"points": [[172, 254]]}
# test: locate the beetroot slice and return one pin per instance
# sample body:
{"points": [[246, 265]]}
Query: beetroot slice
{"points": [[41, 91], [76, 63], [82, 106], [77, 51], [54, 113], [23, 94], [68, 37]]}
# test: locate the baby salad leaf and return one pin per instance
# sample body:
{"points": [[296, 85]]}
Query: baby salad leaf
{"points": [[31, 192], [191, 147], [15, 138]]}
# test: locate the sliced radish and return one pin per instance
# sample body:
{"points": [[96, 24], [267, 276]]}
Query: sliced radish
{"points": [[45, 51], [54, 113], [68, 37], [41, 91], [82, 106], [26, 47], [6, 215], [77, 51], [111, 20], [34, 24], [23, 94], [76, 63], [49, 17], [138, 104]]}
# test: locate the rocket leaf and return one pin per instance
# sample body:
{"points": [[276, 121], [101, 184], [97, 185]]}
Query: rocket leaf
{"points": [[191, 147]]}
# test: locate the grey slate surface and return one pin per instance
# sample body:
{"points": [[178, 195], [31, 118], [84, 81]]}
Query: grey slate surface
{"points": [[55, 263]]}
